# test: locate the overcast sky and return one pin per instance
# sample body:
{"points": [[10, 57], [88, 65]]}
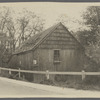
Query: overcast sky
{"points": [[51, 11]]}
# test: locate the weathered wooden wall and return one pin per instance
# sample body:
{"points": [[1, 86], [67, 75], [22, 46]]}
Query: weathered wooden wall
{"points": [[60, 39], [71, 52]]}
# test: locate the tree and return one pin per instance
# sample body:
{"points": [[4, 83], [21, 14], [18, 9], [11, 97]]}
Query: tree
{"points": [[91, 37], [92, 21], [7, 26], [66, 20], [29, 24], [17, 30], [91, 17], [6, 33], [87, 37], [71, 23]]}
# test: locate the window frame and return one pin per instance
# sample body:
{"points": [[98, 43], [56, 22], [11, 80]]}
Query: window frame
{"points": [[56, 60]]}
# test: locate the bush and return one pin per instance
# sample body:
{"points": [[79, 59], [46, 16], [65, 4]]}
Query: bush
{"points": [[47, 82], [92, 80], [62, 78]]}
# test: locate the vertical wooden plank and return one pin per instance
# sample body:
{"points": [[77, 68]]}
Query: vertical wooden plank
{"points": [[9, 72], [83, 75], [47, 74]]}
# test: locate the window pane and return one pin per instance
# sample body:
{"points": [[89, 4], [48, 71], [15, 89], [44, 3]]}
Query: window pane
{"points": [[56, 55]]}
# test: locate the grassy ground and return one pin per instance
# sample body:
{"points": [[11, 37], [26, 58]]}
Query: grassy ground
{"points": [[80, 85], [90, 83]]}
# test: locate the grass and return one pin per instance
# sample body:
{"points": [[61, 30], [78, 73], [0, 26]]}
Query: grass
{"points": [[78, 85], [88, 84]]}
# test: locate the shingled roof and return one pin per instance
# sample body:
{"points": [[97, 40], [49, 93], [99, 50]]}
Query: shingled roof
{"points": [[35, 40]]}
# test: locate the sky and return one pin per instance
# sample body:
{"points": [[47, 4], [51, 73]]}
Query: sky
{"points": [[52, 11]]}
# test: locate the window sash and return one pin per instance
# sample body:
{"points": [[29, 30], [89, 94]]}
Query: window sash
{"points": [[56, 55]]}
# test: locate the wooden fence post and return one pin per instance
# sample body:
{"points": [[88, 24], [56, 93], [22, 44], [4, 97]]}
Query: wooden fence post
{"points": [[83, 75], [0, 71], [9, 71], [47, 75], [19, 73]]}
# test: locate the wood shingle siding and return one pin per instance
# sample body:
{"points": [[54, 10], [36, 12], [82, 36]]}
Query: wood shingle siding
{"points": [[37, 53]]}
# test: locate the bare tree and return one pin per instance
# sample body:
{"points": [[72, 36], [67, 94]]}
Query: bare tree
{"points": [[7, 31], [16, 31], [29, 24]]}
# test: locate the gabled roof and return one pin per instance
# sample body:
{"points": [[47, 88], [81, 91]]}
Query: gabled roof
{"points": [[35, 40]]}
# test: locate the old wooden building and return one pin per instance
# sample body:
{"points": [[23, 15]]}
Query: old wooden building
{"points": [[54, 49]]}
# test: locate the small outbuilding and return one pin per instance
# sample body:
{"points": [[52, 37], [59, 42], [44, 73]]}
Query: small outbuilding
{"points": [[54, 49]]}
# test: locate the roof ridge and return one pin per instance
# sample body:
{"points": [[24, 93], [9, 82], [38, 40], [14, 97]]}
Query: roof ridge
{"points": [[34, 41], [41, 32], [54, 27], [44, 34]]}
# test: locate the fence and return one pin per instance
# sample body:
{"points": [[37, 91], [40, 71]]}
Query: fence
{"points": [[48, 73]]}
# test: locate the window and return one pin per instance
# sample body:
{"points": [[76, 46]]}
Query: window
{"points": [[56, 55]]}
